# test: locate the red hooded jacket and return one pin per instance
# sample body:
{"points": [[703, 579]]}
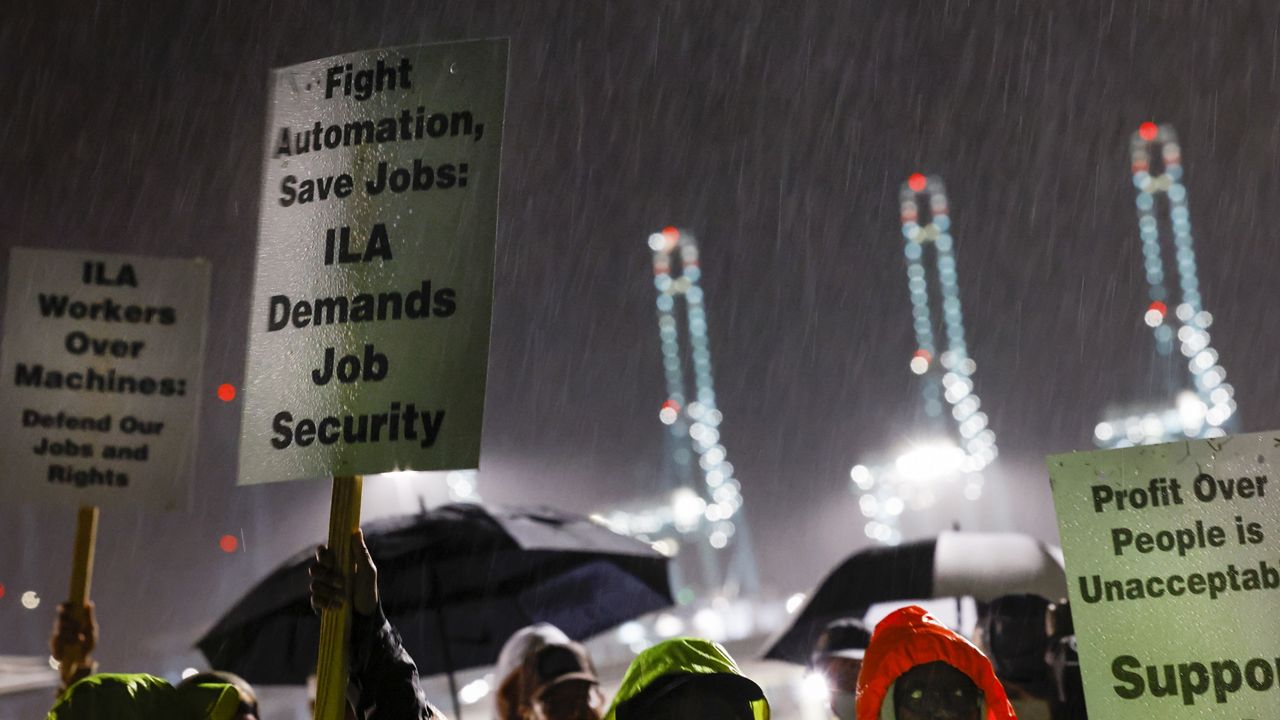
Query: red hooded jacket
{"points": [[909, 637]]}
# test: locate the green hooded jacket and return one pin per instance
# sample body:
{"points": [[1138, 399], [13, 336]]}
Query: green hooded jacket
{"points": [[692, 656], [114, 696]]}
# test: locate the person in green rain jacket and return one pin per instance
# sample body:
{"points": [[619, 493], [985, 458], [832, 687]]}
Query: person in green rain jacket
{"points": [[687, 679], [118, 696]]}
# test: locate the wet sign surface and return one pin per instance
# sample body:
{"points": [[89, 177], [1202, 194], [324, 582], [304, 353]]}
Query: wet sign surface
{"points": [[370, 318], [1173, 568], [101, 377]]}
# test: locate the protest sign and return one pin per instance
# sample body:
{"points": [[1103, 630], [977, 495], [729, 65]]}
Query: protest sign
{"points": [[370, 314], [1174, 576], [102, 358]]}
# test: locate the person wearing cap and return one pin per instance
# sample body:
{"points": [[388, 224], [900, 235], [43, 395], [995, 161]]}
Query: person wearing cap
{"points": [[558, 682], [523, 642], [837, 657], [687, 679], [916, 668]]}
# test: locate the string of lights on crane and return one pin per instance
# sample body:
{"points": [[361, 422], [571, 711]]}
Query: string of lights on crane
{"points": [[1203, 412], [696, 417], [885, 492]]}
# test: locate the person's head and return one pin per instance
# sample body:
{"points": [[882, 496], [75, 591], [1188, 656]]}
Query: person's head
{"points": [[558, 682], [248, 706], [702, 698], [936, 691], [837, 657], [687, 679], [916, 668], [511, 660], [1012, 630]]}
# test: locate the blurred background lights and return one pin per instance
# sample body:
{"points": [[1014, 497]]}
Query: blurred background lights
{"points": [[669, 412], [474, 691], [30, 600], [710, 624], [813, 688], [228, 543], [1155, 314], [630, 633], [930, 461], [668, 625]]}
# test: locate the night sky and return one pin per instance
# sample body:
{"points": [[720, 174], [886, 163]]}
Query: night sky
{"points": [[779, 133]]}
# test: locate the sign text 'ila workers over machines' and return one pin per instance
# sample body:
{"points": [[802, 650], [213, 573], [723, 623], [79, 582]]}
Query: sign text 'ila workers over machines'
{"points": [[101, 365], [370, 320]]}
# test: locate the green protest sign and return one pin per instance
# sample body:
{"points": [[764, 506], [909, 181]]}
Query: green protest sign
{"points": [[370, 316], [1174, 576]]}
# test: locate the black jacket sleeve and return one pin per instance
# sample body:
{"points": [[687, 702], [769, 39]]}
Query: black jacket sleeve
{"points": [[383, 672]]}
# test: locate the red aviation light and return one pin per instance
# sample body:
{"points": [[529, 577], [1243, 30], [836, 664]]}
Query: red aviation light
{"points": [[1159, 307], [917, 182], [1148, 131], [228, 543]]}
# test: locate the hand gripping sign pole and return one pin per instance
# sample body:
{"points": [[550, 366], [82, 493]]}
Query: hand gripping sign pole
{"points": [[335, 623], [81, 580]]}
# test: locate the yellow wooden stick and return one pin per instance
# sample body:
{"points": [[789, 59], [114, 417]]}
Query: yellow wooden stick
{"points": [[335, 625], [81, 582], [82, 559]]}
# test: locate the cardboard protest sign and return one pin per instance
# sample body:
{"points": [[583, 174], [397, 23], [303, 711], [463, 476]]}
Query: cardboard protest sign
{"points": [[1174, 576], [101, 377], [370, 318]]}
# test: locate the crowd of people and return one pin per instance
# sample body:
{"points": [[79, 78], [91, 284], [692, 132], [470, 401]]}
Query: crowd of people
{"points": [[909, 667]]}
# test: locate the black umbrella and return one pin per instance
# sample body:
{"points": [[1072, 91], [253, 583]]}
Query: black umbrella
{"points": [[954, 564], [456, 582]]}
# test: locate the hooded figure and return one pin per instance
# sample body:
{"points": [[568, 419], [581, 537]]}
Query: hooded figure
{"points": [[685, 666], [912, 641], [111, 696]]}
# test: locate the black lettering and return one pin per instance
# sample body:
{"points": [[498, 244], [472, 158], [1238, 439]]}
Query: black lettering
{"points": [[1122, 669], [281, 426]]}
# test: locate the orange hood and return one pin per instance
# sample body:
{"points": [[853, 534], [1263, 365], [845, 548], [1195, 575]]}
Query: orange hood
{"points": [[909, 637]]}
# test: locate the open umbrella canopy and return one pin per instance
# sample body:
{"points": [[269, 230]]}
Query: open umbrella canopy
{"points": [[954, 564], [456, 582]]}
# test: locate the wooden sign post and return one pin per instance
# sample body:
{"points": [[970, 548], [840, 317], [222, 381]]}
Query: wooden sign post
{"points": [[81, 582], [335, 624]]}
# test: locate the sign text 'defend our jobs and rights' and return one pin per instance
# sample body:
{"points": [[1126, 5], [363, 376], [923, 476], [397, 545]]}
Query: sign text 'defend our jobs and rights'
{"points": [[101, 363], [1173, 569], [369, 325]]}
